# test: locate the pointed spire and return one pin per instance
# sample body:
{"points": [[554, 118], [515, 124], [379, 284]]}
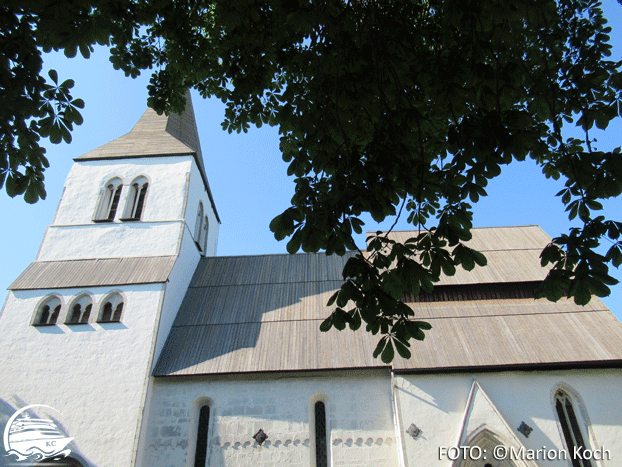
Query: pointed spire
{"points": [[157, 136]]}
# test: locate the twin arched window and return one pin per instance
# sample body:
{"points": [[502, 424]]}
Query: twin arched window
{"points": [[47, 314], [112, 309], [79, 312], [136, 201], [111, 197]]}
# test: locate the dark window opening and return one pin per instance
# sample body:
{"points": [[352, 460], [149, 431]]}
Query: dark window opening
{"points": [[107, 312], [75, 314], [321, 451], [86, 314], [570, 429], [115, 202], [55, 315], [117, 312], [45, 314], [107, 315], [200, 456]]}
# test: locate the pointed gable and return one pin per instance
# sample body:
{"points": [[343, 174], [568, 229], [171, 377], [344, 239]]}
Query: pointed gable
{"points": [[158, 136]]}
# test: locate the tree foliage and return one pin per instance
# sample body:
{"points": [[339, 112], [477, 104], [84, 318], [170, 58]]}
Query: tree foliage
{"points": [[387, 107]]}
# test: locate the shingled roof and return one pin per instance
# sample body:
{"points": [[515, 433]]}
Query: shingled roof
{"points": [[262, 313], [158, 136]]}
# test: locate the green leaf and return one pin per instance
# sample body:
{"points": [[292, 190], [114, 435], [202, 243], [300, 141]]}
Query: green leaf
{"points": [[388, 353], [401, 349]]}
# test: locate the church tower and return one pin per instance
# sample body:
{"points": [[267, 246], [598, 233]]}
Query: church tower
{"points": [[83, 325]]}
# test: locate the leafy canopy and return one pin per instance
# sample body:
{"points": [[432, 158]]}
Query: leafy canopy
{"points": [[387, 107]]}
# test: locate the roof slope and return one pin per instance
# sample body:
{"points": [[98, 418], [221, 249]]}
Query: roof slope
{"points": [[262, 313], [158, 136], [94, 272]]}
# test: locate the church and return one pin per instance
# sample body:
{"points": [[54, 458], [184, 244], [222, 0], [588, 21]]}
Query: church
{"points": [[131, 341]]}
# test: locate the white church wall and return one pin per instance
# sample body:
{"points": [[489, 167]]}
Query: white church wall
{"points": [[198, 194], [111, 240], [73, 234], [94, 374], [436, 404], [358, 413]]}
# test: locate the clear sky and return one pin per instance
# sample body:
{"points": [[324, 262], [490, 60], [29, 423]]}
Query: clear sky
{"points": [[247, 175]]}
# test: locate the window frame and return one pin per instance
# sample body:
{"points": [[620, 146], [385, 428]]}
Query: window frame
{"points": [[54, 306], [198, 226], [109, 200], [137, 199], [83, 306], [193, 432], [117, 303], [572, 424]]}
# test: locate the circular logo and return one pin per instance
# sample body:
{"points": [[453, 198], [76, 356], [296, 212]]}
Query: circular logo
{"points": [[30, 438]]}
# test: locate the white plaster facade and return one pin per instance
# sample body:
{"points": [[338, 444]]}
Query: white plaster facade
{"points": [[359, 420], [99, 376]]}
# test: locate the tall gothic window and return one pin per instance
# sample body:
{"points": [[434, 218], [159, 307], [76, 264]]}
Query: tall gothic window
{"points": [[571, 429], [109, 201], [200, 456], [136, 201], [321, 449]]}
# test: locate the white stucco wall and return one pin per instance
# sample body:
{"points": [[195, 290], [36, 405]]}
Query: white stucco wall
{"points": [[436, 404], [358, 413], [164, 201], [73, 234], [94, 374]]}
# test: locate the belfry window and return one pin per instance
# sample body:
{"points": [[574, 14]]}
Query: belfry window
{"points": [[109, 201], [200, 456], [80, 311], [112, 309], [47, 313], [321, 449], [571, 429], [205, 227], [136, 201], [198, 226]]}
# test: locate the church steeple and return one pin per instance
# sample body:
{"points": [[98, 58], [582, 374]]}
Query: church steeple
{"points": [[137, 196], [158, 136]]}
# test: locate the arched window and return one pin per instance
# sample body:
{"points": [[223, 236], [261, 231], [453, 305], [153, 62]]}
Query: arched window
{"points": [[198, 226], [321, 449], [571, 428], [109, 201], [80, 311], [136, 201], [47, 313], [205, 227], [112, 309], [200, 456]]}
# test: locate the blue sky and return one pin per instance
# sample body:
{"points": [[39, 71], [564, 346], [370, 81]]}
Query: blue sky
{"points": [[247, 175]]}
